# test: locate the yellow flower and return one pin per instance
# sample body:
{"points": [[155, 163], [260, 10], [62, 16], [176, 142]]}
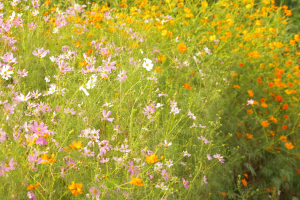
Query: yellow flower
{"points": [[76, 145]]}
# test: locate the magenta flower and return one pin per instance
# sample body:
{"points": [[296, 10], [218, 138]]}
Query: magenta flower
{"points": [[39, 129], [185, 183], [105, 115]]}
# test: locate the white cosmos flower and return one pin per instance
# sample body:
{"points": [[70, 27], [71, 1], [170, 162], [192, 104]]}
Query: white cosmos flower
{"points": [[84, 90], [148, 65], [35, 12]]}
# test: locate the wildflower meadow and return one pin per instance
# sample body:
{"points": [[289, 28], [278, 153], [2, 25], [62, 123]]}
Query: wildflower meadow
{"points": [[140, 99]]}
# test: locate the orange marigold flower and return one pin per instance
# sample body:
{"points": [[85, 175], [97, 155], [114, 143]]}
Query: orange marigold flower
{"points": [[297, 37], [136, 181], [272, 132], [268, 190], [187, 86], [285, 106], [152, 159], [289, 145], [250, 92], [284, 127], [271, 84], [241, 64], [298, 171], [75, 188], [265, 123], [181, 48], [238, 134], [244, 182], [286, 116], [262, 100], [246, 175]]}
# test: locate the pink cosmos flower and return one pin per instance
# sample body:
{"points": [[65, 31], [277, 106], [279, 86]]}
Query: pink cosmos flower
{"points": [[9, 58], [104, 146], [164, 175], [185, 183], [31, 195], [33, 158], [132, 168], [22, 73], [104, 160], [209, 157], [218, 156], [183, 164], [32, 26], [204, 178], [9, 109], [94, 192], [122, 76], [41, 53], [3, 135], [41, 141], [116, 128], [39, 129], [22, 98], [105, 115]]}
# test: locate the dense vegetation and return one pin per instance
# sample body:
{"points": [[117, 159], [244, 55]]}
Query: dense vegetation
{"points": [[149, 99]]}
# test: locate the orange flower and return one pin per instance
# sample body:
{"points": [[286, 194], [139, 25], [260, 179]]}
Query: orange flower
{"points": [[250, 92], [283, 138], [268, 190], [278, 98], [244, 182], [30, 187], [152, 159], [223, 194], [262, 100], [249, 136], [298, 171], [272, 132], [238, 134], [187, 86], [158, 69], [265, 123], [246, 175], [181, 48], [264, 105], [285, 106], [249, 111], [193, 73], [136, 181], [75, 188], [284, 127], [76, 145], [236, 86], [289, 145], [271, 84], [241, 64]]}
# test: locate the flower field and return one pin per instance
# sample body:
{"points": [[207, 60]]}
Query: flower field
{"points": [[162, 99]]}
